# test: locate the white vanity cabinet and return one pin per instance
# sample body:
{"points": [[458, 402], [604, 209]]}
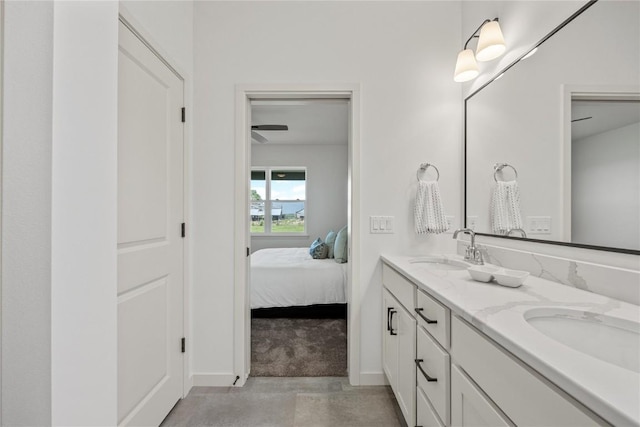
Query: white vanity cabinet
{"points": [[415, 360], [446, 372], [399, 340]]}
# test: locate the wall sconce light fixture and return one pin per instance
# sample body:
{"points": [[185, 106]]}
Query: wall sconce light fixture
{"points": [[490, 46]]}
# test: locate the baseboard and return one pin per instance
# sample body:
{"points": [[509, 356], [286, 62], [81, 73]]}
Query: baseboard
{"points": [[213, 380], [373, 378], [188, 385]]}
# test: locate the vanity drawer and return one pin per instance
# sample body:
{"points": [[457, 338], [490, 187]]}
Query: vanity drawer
{"points": [[433, 363], [401, 288], [426, 415], [521, 393], [434, 317]]}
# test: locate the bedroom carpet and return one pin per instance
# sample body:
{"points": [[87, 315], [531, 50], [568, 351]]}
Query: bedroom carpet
{"points": [[298, 347]]}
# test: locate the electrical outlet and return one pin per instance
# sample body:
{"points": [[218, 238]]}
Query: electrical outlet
{"points": [[538, 224], [450, 220], [472, 222]]}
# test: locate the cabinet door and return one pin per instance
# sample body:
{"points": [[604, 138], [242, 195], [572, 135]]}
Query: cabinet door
{"points": [[469, 407], [390, 309], [406, 394]]}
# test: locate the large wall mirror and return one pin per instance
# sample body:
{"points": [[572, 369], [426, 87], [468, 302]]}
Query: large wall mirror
{"points": [[553, 144]]}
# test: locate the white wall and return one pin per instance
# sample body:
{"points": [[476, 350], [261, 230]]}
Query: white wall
{"points": [[83, 214], [401, 54], [326, 204], [26, 214], [606, 188], [59, 200]]}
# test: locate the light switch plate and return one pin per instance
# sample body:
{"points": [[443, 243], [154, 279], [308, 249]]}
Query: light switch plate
{"points": [[381, 224]]}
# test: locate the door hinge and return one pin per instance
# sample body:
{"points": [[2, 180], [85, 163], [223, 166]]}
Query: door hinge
{"points": [[184, 114], [183, 343], [184, 229], [248, 252]]}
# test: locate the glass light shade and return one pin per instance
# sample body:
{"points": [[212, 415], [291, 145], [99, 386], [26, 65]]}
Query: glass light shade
{"points": [[491, 43], [466, 67]]}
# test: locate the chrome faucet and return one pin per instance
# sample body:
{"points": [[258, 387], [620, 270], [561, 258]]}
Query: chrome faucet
{"points": [[472, 254], [519, 230]]}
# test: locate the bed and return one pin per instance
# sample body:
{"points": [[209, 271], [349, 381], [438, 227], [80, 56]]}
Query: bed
{"points": [[286, 277]]}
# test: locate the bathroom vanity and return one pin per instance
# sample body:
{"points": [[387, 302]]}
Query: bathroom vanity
{"points": [[461, 352]]}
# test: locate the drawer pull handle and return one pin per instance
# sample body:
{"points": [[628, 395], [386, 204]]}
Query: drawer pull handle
{"points": [[391, 313], [426, 319], [426, 376], [389, 318]]}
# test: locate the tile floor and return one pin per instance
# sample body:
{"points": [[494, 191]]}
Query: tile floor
{"points": [[288, 402]]}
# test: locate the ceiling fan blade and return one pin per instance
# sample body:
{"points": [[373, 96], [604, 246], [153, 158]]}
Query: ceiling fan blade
{"points": [[269, 127], [583, 118], [258, 138]]}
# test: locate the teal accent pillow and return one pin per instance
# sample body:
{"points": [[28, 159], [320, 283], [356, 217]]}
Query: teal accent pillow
{"points": [[330, 240], [340, 247], [318, 249]]}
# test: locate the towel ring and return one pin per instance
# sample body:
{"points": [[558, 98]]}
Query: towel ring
{"points": [[423, 167], [498, 168]]}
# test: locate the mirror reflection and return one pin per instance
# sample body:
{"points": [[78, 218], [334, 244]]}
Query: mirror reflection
{"points": [[553, 145], [605, 151]]}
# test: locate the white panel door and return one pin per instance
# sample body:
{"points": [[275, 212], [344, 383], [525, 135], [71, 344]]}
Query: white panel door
{"points": [[150, 244]]}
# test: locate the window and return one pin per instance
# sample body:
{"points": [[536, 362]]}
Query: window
{"points": [[282, 193]]}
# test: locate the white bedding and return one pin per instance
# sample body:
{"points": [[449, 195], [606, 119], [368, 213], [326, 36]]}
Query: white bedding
{"points": [[284, 277]]}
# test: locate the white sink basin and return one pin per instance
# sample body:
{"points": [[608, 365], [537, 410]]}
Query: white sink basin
{"points": [[440, 263], [607, 338]]}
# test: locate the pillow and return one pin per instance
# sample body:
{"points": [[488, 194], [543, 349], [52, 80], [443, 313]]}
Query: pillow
{"points": [[330, 240], [318, 249], [340, 247]]}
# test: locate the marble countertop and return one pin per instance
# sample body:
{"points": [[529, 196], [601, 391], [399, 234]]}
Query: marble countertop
{"points": [[610, 391]]}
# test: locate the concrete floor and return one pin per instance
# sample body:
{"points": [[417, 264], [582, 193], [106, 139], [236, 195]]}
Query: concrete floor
{"points": [[288, 402]]}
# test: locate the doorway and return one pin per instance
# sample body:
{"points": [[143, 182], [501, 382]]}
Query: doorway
{"points": [[298, 195], [245, 95], [605, 165], [599, 143]]}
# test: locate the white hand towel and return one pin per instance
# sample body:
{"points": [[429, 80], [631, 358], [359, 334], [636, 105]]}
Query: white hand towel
{"points": [[428, 210], [505, 207]]}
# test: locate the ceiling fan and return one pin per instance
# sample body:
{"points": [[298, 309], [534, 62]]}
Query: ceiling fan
{"points": [[261, 139]]}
